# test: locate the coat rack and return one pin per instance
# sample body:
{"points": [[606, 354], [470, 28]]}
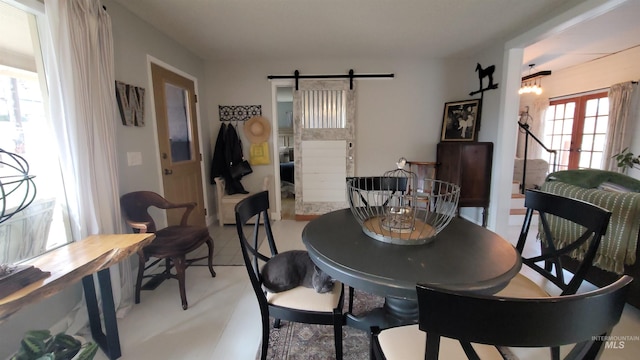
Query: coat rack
{"points": [[239, 112], [351, 75]]}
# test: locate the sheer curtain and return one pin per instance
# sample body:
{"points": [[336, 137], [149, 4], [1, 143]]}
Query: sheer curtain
{"points": [[622, 113], [78, 59]]}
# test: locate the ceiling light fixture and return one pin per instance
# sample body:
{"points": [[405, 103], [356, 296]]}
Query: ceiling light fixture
{"points": [[532, 83]]}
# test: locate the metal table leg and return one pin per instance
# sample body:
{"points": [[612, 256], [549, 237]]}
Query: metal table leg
{"points": [[108, 340]]}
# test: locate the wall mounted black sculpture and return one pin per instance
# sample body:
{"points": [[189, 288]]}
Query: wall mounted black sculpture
{"points": [[485, 73]]}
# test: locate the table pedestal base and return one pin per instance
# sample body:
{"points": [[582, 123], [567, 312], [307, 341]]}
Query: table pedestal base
{"points": [[394, 312]]}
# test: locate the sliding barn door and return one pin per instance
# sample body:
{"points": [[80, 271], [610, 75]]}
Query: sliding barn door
{"points": [[324, 117]]}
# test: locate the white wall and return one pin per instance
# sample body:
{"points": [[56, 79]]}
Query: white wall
{"points": [[134, 41], [395, 117]]}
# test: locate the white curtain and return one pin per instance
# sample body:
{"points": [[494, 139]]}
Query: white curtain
{"points": [[622, 113], [78, 58]]}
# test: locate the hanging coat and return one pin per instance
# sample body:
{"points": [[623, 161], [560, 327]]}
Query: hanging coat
{"points": [[219, 161], [233, 155], [232, 146]]}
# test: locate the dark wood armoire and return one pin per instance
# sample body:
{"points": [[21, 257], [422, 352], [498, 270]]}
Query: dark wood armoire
{"points": [[467, 164]]}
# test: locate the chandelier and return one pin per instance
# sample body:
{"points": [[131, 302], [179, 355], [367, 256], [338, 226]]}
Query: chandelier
{"points": [[532, 83]]}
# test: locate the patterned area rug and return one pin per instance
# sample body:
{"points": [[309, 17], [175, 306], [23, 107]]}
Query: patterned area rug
{"points": [[296, 341]]}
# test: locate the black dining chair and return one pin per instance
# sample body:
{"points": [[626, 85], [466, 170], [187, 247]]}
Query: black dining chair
{"points": [[592, 220], [300, 304], [458, 325]]}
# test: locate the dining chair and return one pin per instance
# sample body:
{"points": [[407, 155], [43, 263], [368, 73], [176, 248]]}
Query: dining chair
{"points": [[172, 243], [300, 304], [459, 325], [550, 208]]}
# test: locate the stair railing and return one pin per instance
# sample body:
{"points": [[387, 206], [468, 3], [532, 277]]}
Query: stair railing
{"points": [[528, 134]]}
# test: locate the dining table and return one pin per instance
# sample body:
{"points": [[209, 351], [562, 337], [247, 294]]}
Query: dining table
{"points": [[464, 256]]}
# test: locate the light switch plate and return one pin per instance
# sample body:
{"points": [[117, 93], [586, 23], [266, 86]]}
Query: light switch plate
{"points": [[134, 158]]}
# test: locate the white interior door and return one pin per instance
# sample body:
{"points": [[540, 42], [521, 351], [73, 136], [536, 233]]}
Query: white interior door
{"points": [[324, 119]]}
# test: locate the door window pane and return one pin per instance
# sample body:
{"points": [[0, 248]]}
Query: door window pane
{"points": [[584, 125], [324, 109], [179, 120]]}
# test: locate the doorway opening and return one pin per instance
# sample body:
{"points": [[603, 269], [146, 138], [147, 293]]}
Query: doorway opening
{"points": [[284, 113]]}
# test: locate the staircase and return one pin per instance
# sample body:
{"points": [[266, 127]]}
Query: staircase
{"points": [[517, 211]]}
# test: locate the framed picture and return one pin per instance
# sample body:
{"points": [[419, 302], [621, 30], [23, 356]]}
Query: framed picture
{"points": [[460, 120]]}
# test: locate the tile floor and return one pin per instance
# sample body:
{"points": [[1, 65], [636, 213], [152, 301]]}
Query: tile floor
{"points": [[222, 321]]}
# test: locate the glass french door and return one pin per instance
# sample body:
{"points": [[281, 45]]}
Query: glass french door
{"points": [[576, 127]]}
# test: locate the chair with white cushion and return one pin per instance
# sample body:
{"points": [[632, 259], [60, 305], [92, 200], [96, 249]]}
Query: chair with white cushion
{"points": [[458, 325], [299, 304], [585, 222]]}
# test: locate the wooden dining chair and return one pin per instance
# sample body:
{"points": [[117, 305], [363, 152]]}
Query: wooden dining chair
{"points": [[299, 304], [172, 243], [591, 224], [458, 325]]}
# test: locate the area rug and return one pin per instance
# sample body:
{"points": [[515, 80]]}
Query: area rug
{"points": [[296, 341]]}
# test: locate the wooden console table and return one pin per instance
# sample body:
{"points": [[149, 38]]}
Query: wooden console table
{"points": [[79, 261]]}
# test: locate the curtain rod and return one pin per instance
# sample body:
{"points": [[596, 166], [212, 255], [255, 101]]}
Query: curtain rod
{"points": [[351, 75]]}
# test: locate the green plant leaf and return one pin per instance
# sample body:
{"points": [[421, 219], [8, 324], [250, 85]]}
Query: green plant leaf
{"points": [[89, 351], [40, 345], [33, 346]]}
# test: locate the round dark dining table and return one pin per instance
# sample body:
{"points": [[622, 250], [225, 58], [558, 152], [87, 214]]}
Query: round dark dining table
{"points": [[464, 256]]}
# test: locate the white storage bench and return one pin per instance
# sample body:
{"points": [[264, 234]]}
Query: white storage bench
{"points": [[227, 203]]}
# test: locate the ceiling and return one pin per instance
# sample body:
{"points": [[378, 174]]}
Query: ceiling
{"points": [[298, 29], [302, 29]]}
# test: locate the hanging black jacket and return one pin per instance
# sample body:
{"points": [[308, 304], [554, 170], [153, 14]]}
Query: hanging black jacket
{"points": [[232, 146], [218, 162], [232, 155]]}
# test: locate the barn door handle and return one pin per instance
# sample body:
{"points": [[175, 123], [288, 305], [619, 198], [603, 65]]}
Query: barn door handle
{"points": [[168, 171]]}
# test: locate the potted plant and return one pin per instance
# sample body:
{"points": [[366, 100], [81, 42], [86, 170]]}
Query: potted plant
{"points": [[626, 159], [41, 345]]}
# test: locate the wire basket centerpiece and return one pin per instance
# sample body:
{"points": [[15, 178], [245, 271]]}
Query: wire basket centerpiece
{"points": [[17, 189], [392, 209]]}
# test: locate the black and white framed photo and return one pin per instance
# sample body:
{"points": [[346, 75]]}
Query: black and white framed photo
{"points": [[460, 120]]}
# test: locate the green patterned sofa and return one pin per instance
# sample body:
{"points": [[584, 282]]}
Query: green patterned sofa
{"points": [[619, 248]]}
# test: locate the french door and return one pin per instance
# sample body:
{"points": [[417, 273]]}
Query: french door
{"points": [[576, 127]]}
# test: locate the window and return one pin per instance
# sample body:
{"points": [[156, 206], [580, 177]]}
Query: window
{"points": [[25, 131], [324, 109], [577, 128]]}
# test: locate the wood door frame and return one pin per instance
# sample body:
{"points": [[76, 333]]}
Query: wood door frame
{"points": [[156, 141]]}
